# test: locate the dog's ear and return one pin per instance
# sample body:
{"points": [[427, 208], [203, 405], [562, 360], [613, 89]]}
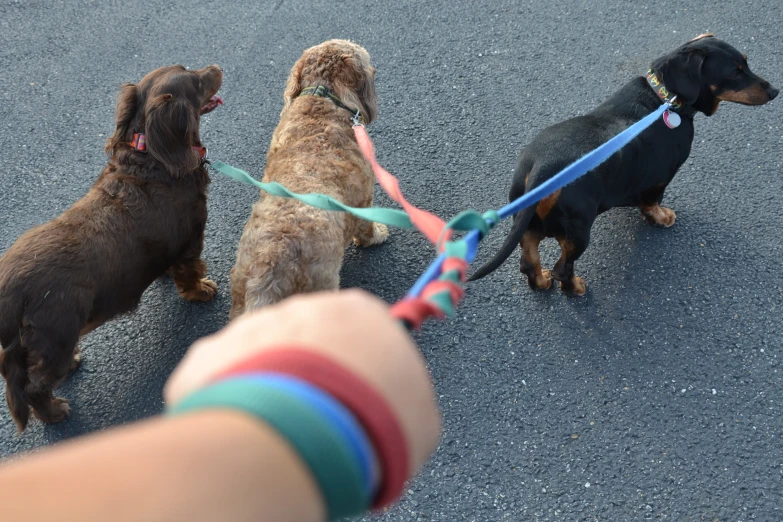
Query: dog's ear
{"points": [[293, 86], [367, 96], [127, 103], [356, 87], [681, 73], [171, 125]]}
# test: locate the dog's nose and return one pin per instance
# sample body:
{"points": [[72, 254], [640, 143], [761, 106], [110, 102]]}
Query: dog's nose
{"points": [[772, 92]]}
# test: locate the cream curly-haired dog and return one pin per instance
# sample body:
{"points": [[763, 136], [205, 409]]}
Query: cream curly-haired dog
{"points": [[288, 247]]}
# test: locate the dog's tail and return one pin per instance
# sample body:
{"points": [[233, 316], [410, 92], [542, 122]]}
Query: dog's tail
{"points": [[13, 366], [272, 283], [521, 221], [263, 291]]}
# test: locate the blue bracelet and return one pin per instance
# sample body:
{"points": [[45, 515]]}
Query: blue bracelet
{"points": [[340, 418]]}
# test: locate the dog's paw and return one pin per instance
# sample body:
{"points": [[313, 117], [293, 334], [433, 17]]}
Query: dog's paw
{"points": [[659, 216], [542, 281], [579, 286], [204, 291], [380, 233], [576, 286], [62, 407], [77, 359], [58, 411]]}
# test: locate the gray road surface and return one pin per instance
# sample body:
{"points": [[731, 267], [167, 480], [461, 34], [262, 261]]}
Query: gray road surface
{"points": [[656, 396]]}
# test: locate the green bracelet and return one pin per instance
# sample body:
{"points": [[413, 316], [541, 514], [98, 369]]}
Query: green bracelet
{"points": [[302, 425]]}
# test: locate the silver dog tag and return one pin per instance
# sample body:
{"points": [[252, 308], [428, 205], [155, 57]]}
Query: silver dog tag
{"points": [[671, 119]]}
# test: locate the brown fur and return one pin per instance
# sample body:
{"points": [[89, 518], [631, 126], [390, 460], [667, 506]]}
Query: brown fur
{"points": [[564, 268], [658, 215], [753, 95], [144, 215], [287, 247], [530, 263], [545, 206]]}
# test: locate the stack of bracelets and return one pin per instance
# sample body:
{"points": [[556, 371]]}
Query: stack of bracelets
{"points": [[340, 426]]}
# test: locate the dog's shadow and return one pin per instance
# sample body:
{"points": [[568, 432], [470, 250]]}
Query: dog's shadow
{"points": [[125, 365], [390, 269], [126, 362], [649, 278]]}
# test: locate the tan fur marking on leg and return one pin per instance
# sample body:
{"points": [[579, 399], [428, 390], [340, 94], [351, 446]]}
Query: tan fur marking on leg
{"points": [[576, 285], [658, 215], [530, 264]]}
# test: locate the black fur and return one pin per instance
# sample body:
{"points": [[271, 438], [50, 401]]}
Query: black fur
{"points": [[701, 73]]}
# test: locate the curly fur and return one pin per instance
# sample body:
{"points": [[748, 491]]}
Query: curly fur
{"points": [[288, 247]]}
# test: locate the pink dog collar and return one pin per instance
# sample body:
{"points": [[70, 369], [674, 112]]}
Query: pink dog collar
{"points": [[140, 144]]}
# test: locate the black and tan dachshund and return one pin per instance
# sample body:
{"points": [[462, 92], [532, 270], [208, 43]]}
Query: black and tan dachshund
{"points": [[696, 78]]}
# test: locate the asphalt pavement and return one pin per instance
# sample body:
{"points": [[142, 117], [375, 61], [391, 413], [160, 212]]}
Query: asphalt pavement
{"points": [[657, 395]]}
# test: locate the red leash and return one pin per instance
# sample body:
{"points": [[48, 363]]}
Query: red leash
{"points": [[428, 223], [446, 291]]}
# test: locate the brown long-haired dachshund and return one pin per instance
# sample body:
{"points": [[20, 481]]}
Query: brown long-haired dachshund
{"points": [[701, 74], [144, 216]]}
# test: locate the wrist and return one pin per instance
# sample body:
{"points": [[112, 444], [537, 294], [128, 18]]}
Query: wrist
{"points": [[261, 386], [323, 434], [252, 463], [363, 400], [211, 465]]}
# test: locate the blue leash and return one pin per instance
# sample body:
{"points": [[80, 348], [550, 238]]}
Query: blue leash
{"points": [[575, 170]]}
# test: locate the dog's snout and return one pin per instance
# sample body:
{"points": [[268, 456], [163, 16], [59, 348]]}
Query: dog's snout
{"points": [[768, 89]]}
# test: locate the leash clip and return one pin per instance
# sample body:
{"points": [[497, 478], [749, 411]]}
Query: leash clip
{"points": [[356, 119]]}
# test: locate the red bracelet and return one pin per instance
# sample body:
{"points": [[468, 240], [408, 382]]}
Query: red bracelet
{"points": [[369, 407]]}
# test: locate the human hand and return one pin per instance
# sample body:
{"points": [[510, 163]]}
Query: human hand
{"points": [[351, 327]]}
